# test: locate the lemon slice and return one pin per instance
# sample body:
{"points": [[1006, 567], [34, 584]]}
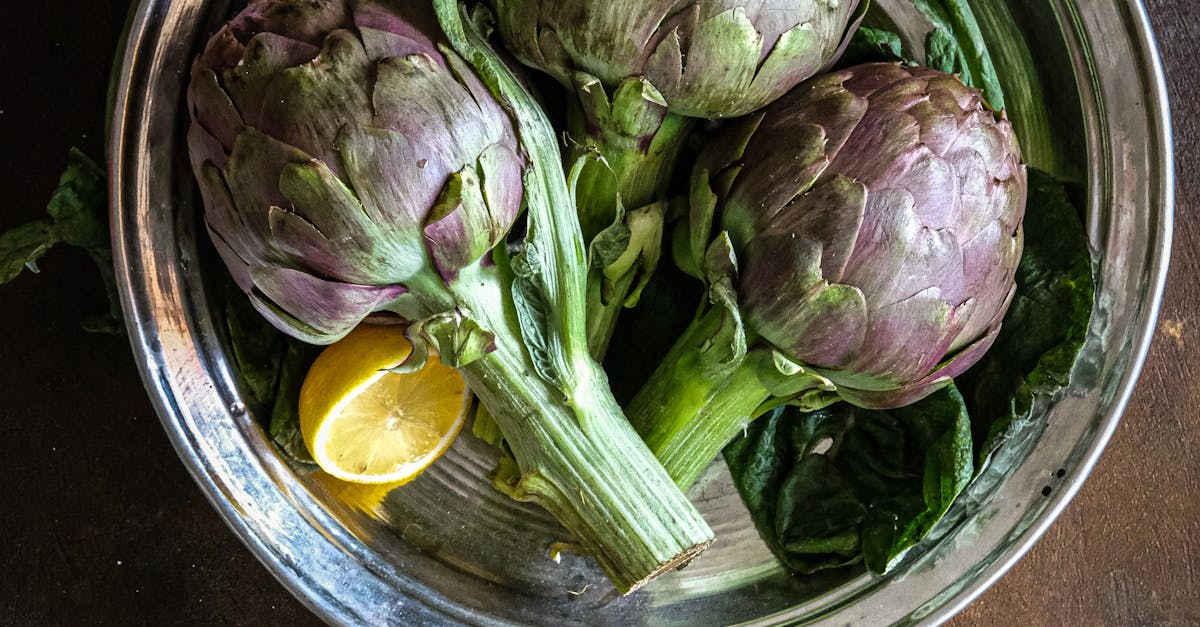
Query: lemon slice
{"points": [[364, 424]]}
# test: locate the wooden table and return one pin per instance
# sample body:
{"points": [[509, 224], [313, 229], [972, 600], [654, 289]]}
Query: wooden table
{"points": [[102, 524]]}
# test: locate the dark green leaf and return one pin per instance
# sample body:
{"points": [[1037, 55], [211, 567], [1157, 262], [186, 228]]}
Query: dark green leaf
{"points": [[79, 210], [297, 358], [257, 349], [1046, 324], [956, 45], [79, 205], [872, 45], [831, 487]]}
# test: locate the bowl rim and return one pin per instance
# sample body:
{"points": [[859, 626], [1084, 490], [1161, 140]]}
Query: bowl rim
{"points": [[1160, 118]]}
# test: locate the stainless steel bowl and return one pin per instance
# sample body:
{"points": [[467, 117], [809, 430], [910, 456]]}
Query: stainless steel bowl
{"points": [[447, 549]]}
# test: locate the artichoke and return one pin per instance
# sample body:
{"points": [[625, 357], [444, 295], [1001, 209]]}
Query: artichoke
{"points": [[643, 70], [706, 58], [351, 162], [870, 231], [342, 158]]}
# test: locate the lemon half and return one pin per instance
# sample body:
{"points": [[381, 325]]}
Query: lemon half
{"points": [[364, 424]]}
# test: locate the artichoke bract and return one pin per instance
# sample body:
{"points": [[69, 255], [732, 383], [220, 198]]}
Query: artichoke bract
{"points": [[869, 232], [351, 162], [643, 71]]}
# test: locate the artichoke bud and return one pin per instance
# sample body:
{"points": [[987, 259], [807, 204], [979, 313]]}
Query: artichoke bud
{"points": [[706, 58], [877, 215], [344, 158]]}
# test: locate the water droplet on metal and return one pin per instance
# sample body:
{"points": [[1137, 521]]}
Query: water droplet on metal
{"points": [[237, 408]]}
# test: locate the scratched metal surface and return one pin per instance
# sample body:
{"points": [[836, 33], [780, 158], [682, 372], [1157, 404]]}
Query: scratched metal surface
{"points": [[103, 525]]}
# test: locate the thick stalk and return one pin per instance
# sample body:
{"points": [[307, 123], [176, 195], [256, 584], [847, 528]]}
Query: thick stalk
{"points": [[686, 445], [688, 410], [579, 458], [576, 454]]}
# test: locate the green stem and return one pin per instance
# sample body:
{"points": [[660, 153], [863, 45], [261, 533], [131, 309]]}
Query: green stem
{"points": [[687, 411], [576, 454], [685, 444], [603, 314], [578, 457], [639, 141]]}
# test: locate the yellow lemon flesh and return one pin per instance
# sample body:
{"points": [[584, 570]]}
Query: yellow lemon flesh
{"points": [[364, 424]]}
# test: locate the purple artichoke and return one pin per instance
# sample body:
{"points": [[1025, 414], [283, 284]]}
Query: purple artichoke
{"points": [[870, 231], [707, 58], [877, 212], [341, 156]]}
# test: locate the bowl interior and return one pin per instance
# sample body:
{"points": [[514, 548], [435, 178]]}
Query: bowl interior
{"points": [[447, 547]]}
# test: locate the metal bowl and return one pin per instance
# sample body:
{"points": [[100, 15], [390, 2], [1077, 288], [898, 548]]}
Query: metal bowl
{"points": [[448, 549]]}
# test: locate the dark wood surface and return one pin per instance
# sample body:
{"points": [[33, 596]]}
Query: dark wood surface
{"points": [[101, 523]]}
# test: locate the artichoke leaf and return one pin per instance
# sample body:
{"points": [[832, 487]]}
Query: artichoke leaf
{"points": [[458, 229], [720, 63], [724, 350], [638, 109], [457, 338]]}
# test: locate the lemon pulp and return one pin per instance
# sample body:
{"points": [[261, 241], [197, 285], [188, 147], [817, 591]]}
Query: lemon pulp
{"points": [[365, 424]]}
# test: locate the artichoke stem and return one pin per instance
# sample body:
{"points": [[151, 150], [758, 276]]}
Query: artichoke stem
{"points": [[690, 409], [580, 459], [636, 169]]}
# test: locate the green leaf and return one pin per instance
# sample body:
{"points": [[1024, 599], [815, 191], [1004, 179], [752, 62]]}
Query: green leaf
{"points": [[484, 426], [533, 315], [801, 507], [270, 368], [460, 340], [257, 349], [284, 429], [1046, 325], [79, 205], [726, 349], [79, 213], [869, 45], [956, 45], [21, 247], [830, 487]]}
